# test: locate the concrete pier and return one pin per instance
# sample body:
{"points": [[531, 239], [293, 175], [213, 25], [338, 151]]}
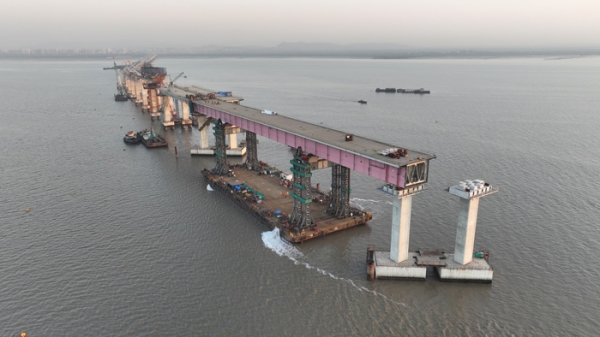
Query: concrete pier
{"points": [[168, 113], [465, 231], [465, 265], [145, 101], [462, 266], [234, 149], [186, 122], [399, 262]]}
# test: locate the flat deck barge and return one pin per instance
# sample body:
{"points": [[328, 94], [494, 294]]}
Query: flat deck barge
{"points": [[277, 198]]}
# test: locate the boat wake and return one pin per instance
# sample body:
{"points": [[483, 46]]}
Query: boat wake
{"points": [[273, 241], [369, 205]]}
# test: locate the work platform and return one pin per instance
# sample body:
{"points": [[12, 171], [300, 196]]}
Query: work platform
{"points": [[199, 151], [277, 198]]}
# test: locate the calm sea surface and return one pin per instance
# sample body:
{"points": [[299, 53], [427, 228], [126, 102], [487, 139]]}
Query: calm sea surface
{"points": [[126, 241]]}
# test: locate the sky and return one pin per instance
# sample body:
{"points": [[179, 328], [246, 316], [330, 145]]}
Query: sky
{"points": [[413, 23]]}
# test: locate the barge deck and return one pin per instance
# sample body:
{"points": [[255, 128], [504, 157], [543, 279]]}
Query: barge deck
{"points": [[277, 198]]}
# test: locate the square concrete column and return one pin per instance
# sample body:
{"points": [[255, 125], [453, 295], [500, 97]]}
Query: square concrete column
{"points": [[465, 231], [469, 191], [185, 111], [400, 228], [167, 109], [203, 132], [145, 104], [233, 141]]}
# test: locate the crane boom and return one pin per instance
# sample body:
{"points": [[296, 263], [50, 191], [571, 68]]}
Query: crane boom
{"points": [[175, 79]]}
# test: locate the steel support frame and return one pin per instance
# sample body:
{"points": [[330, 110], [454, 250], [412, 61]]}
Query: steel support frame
{"points": [[301, 217], [222, 166], [340, 191], [252, 162]]}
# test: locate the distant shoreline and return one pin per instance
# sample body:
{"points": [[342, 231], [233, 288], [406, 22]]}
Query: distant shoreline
{"points": [[381, 55]]}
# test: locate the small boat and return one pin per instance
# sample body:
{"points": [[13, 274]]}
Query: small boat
{"points": [[131, 138], [120, 98], [362, 102]]}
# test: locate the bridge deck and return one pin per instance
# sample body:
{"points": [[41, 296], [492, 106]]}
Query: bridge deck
{"points": [[360, 154]]}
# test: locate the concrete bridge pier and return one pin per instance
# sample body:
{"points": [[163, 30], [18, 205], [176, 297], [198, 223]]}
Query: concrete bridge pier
{"points": [[139, 88], [204, 150], [234, 149], [186, 122], [145, 101], [399, 262], [168, 113], [128, 86], [463, 266], [153, 100]]}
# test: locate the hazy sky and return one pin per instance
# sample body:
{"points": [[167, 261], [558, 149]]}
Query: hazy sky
{"points": [[415, 23]]}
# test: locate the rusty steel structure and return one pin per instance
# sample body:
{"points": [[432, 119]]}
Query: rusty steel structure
{"points": [[252, 162], [301, 169], [340, 191], [221, 167]]}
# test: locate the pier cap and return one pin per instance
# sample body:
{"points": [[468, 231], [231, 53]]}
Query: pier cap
{"points": [[469, 189]]}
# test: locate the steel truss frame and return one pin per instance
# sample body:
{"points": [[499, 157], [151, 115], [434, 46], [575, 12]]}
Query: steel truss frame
{"points": [[340, 191], [252, 162], [222, 166], [301, 217]]}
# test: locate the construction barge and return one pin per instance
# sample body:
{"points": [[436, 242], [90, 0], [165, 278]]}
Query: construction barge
{"points": [[266, 196]]}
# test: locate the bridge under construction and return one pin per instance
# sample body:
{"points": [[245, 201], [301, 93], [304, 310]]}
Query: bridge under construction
{"points": [[286, 199]]}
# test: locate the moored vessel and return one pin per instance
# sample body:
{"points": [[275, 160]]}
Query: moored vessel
{"points": [[131, 137]]}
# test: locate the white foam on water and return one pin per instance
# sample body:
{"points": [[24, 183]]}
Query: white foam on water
{"points": [[274, 242], [208, 188], [369, 205]]}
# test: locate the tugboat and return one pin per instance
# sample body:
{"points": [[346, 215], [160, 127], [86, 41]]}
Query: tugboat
{"points": [[131, 138], [120, 98], [151, 139]]}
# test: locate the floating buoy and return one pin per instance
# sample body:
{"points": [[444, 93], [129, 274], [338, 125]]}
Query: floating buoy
{"points": [[23, 334], [27, 210]]}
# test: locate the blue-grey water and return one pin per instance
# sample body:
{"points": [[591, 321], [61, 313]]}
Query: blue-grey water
{"points": [[125, 241]]}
